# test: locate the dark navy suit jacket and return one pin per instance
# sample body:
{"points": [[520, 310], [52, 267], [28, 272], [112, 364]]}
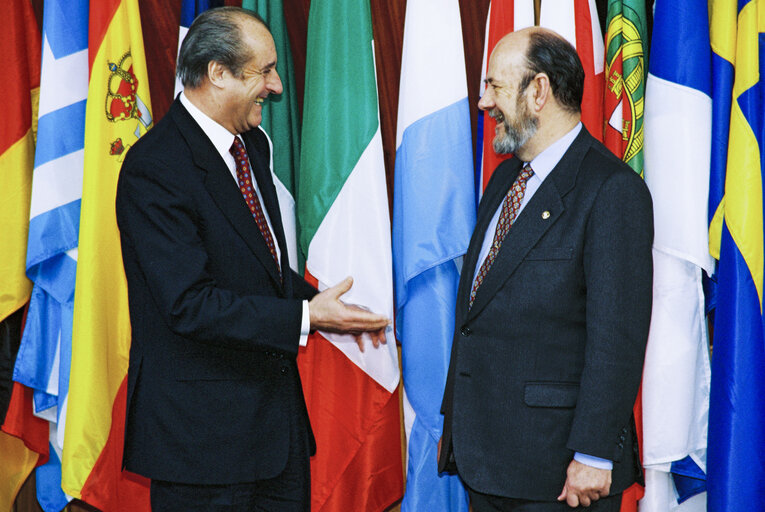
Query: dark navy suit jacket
{"points": [[212, 382], [548, 360]]}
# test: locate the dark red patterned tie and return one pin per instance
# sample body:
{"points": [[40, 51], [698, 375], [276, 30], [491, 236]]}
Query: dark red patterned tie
{"points": [[507, 216], [247, 187]]}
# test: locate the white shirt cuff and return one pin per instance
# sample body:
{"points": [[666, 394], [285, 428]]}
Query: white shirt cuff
{"points": [[595, 462], [305, 325]]}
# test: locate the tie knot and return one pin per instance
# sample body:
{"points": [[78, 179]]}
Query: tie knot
{"points": [[526, 173], [237, 148]]}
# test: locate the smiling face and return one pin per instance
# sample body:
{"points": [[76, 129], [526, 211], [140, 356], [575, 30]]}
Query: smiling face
{"points": [[243, 95], [505, 102]]}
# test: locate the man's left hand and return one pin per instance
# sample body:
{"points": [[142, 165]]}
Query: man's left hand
{"points": [[585, 484]]}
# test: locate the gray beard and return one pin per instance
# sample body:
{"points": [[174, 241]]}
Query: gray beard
{"points": [[515, 138]]}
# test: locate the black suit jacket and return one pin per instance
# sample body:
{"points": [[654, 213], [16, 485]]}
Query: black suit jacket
{"points": [[212, 381], [548, 360]]}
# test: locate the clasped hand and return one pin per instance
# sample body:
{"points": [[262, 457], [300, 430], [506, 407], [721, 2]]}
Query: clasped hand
{"points": [[585, 484], [329, 313]]}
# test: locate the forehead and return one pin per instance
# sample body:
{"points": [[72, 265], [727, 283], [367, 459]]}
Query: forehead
{"points": [[259, 42], [508, 61]]}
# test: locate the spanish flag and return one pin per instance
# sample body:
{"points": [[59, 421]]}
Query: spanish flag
{"points": [[20, 62], [19, 94], [117, 114]]}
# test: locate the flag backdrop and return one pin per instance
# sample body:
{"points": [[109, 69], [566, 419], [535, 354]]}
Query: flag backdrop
{"points": [[433, 218], [280, 123], [19, 59], [45, 353], [678, 128], [117, 114], [344, 223], [736, 474], [504, 16]]}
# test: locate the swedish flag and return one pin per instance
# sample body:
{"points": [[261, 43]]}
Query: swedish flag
{"points": [[736, 473]]}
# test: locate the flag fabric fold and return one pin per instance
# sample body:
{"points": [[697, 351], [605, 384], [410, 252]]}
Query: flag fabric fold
{"points": [[117, 113], [433, 219], [678, 122], [342, 205], [45, 353], [736, 446]]}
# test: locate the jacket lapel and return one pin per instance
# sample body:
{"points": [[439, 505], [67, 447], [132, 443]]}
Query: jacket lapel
{"points": [[223, 189], [533, 222]]}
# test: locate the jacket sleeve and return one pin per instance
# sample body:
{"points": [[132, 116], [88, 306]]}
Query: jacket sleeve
{"points": [[159, 227], [618, 269]]}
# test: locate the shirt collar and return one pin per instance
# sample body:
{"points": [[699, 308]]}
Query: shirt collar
{"points": [[218, 135], [546, 161]]}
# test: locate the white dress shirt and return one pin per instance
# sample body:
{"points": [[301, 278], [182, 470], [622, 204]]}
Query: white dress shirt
{"points": [[542, 165], [222, 139]]}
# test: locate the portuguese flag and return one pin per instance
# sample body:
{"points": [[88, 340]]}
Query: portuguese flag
{"points": [[342, 205]]}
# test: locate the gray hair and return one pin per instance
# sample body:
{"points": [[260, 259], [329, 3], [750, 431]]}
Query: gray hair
{"points": [[215, 35]]}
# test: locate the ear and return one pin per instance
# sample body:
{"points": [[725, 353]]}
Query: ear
{"points": [[540, 91], [216, 73]]}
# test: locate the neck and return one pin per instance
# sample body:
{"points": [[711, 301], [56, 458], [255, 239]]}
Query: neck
{"points": [[206, 101], [551, 128]]}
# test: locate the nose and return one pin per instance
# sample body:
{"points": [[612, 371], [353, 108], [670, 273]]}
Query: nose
{"points": [[487, 101], [274, 83]]}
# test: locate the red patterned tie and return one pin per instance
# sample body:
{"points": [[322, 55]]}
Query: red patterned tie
{"points": [[507, 216], [247, 187]]}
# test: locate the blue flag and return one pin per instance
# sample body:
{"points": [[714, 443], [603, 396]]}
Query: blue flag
{"points": [[433, 219]]}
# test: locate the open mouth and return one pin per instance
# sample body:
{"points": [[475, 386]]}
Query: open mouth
{"points": [[259, 100], [497, 115]]}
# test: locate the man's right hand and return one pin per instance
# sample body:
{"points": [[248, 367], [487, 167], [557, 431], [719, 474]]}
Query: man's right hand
{"points": [[329, 313]]}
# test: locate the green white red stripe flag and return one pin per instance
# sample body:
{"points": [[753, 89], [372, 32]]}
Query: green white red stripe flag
{"points": [[344, 222]]}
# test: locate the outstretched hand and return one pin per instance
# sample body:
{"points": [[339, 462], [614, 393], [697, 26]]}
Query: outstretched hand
{"points": [[329, 313]]}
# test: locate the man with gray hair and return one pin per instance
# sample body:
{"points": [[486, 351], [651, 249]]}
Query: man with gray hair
{"points": [[215, 410]]}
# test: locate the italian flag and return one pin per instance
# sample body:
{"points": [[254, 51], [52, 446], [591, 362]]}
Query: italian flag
{"points": [[344, 222]]}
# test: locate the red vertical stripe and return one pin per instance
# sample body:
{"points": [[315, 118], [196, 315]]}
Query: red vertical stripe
{"points": [[592, 102]]}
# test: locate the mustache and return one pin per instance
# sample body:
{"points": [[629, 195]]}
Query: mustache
{"points": [[497, 115]]}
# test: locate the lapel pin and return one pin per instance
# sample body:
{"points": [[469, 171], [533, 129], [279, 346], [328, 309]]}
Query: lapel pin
{"points": [[545, 214]]}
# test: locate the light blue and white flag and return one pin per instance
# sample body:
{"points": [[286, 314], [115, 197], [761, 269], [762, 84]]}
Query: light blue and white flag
{"points": [[433, 218], [45, 355], [676, 378]]}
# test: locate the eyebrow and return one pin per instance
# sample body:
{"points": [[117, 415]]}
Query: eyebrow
{"points": [[271, 64]]}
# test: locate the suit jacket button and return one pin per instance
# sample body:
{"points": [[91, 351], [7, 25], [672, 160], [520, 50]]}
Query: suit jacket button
{"points": [[284, 370], [466, 331]]}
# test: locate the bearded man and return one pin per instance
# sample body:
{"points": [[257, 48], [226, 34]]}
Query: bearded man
{"points": [[554, 300]]}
